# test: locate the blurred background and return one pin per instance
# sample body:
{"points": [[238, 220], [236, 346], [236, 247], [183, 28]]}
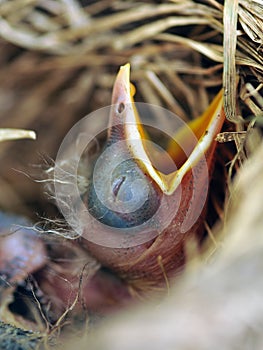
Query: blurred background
{"points": [[59, 59]]}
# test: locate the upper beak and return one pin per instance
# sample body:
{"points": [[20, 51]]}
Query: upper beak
{"points": [[125, 125]]}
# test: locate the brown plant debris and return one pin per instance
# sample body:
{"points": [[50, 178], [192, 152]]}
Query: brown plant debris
{"points": [[57, 64]]}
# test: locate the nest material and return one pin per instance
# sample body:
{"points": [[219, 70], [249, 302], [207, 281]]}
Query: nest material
{"points": [[59, 59], [58, 62], [12, 338]]}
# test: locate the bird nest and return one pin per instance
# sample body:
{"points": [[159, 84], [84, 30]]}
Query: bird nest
{"points": [[59, 59], [58, 63]]}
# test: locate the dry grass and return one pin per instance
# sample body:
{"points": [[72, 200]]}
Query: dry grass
{"points": [[58, 62], [70, 55], [16, 134]]}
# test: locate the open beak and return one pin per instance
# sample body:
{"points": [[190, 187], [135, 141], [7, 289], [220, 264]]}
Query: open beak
{"points": [[125, 125], [137, 198]]}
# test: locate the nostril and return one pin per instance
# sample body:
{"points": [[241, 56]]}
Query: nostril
{"points": [[121, 107]]}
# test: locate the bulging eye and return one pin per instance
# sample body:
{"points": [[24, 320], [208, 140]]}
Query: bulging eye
{"points": [[124, 197]]}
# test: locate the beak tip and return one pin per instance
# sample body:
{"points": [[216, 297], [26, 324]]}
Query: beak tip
{"points": [[126, 67], [121, 90], [124, 74]]}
